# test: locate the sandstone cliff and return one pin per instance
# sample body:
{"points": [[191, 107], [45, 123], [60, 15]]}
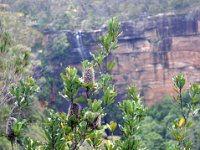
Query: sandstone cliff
{"points": [[151, 51]]}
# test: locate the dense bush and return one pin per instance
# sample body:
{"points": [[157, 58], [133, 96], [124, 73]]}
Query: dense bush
{"points": [[81, 125], [91, 14], [84, 128], [169, 125]]}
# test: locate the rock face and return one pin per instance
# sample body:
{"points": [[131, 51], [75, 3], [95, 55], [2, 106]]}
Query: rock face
{"points": [[151, 51]]}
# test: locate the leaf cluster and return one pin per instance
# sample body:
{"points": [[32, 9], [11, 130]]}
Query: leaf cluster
{"points": [[187, 109], [24, 91], [133, 113]]}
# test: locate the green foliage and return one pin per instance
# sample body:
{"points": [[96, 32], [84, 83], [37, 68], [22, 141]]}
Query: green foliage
{"points": [[109, 146], [59, 45], [19, 54], [104, 80], [71, 83], [194, 92], [18, 127], [133, 113], [6, 41], [15, 53], [23, 92], [98, 57], [109, 95], [54, 131], [4, 114], [110, 65], [85, 126], [109, 41], [87, 64], [18, 25], [156, 128], [180, 127], [95, 106], [94, 141], [30, 144], [179, 81], [92, 14], [23, 98], [152, 133], [112, 126], [14, 62], [53, 53]]}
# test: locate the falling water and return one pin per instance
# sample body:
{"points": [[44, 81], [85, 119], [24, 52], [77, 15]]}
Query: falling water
{"points": [[80, 47]]}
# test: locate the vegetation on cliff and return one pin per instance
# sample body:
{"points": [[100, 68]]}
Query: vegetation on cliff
{"points": [[94, 120], [85, 127], [92, 14]]}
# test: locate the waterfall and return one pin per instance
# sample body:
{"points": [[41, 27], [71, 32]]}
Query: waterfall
{"points": [[80, 47]]}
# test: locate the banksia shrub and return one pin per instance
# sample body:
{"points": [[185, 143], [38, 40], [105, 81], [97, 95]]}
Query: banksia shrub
{"points": [[88, 75], [9, 128]]}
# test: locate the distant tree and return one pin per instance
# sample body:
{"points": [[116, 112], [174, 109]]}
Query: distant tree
{"points": [[156, 128], [16, 61], [92, 14], [16, 38]]}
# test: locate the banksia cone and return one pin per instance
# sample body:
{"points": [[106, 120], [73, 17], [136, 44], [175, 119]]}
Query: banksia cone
{"points": [[74, 109], [97, 122], [9, 129], [94, 123], [88, 75]]}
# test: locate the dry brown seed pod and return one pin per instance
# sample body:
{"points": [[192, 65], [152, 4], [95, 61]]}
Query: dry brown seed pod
{"points": [[88, 75], [74, 109], [9, 129], [96, 122]]}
